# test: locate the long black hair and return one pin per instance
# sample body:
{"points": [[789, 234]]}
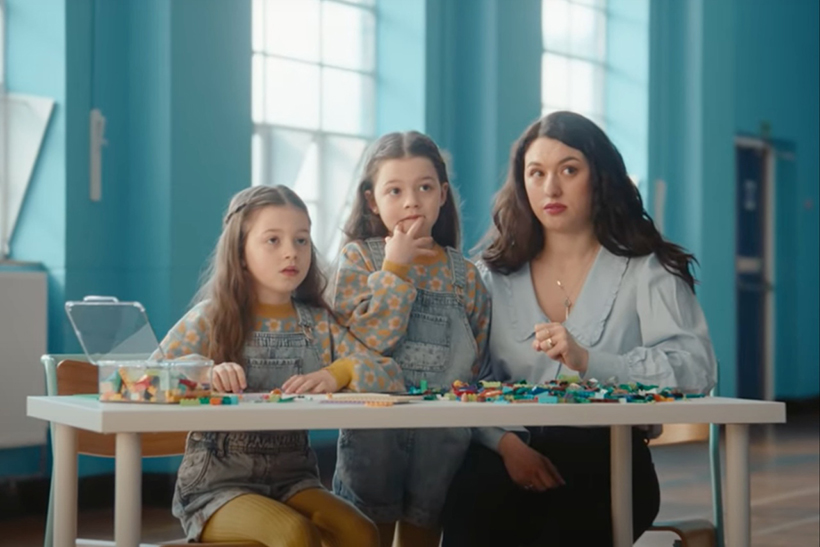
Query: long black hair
{"points": [[620, 221]]}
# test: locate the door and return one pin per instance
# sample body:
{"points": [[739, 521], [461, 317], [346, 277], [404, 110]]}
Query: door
{"points": [[751, 282]]}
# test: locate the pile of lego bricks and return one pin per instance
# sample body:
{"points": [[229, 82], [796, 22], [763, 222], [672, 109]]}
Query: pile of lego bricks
{"points": [[275, 396], [561, 390], [153, 386]]}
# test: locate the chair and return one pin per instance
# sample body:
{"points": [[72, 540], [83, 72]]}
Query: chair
{"points": [[697, 532], [74, 375]]}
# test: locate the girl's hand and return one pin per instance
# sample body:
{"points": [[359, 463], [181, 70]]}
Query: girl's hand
{"points": [[316, 382], [528, 468], [556, 341], [229, 377], [404, 245]]}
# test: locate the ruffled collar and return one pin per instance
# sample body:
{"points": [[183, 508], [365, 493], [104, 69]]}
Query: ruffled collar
{"points": [[589, 313]]}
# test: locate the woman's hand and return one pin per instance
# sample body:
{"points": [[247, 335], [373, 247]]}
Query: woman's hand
{"points": [[528, 468], [405, 245], [316, 382], [556, 341], [229, 377]]}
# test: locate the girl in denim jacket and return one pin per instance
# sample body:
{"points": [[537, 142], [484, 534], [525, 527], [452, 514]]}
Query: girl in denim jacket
{"points": [[404, 290]]}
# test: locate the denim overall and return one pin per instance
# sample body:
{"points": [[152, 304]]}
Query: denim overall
{"points": [[404, 474], [219, 466]]}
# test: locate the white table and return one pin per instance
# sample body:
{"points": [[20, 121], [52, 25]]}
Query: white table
{"points": [[128, 421]]}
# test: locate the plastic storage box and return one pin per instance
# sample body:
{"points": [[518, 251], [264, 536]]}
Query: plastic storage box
{"points": [[117, 337]]}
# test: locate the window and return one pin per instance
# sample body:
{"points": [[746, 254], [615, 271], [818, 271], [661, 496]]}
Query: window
{"points": [[313, 106], [573, 66]]}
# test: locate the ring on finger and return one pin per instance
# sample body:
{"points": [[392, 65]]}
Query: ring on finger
{"points": [[549, 342]]}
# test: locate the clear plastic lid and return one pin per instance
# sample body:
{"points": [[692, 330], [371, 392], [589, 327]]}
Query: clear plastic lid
{"points": [[110, 330]]}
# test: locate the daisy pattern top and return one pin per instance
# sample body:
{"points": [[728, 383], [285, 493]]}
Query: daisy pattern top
{"points": [[374, 300]]}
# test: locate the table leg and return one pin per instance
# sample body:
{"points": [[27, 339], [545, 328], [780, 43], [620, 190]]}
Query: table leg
{"points": [[128, 490], [65, 486], [621, 470], [738, 499]]}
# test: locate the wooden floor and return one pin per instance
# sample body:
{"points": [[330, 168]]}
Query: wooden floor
{"points": [[785, 463], [785, 485]]}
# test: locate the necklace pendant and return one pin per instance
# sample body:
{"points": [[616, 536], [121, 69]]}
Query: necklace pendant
{"points": [[567, 303]]}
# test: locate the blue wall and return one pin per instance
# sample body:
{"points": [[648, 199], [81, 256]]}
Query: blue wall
{"points": [[691, 136], [776, 78], [210, 132], [35, 56], [627, 85], [179, 147], [175, 137], [401, 65], [720, 68], [484, 88]]}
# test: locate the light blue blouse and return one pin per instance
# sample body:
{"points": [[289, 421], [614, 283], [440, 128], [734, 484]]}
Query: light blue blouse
{"points": [[639, 323]]}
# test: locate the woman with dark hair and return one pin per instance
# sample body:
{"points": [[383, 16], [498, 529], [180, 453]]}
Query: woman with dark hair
{"points": [[583, 284]]}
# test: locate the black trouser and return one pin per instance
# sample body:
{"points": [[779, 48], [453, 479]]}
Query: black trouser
{"points": [[485, 507]]}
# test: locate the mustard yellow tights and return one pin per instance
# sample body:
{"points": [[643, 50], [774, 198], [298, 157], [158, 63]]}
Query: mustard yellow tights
{"points": [[311, 518]]}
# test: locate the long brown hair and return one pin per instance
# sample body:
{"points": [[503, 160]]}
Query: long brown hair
{"points": [[228, 289], [363, 223], [620, 221]]}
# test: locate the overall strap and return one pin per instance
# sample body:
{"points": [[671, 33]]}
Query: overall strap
{"points": [[375, 245], [457, 266], [305, 316]]}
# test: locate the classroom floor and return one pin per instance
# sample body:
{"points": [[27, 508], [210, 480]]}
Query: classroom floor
{"points": [[785, 485]]}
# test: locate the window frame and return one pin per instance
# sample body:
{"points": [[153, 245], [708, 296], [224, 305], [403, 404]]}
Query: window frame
{"points": [[328, 215], [599, 65]]}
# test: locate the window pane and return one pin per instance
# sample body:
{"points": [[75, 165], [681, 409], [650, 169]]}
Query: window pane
{"points": [[361, 2], [291, 93], [314, 211], [307, 180], [347, 99], [599, 4], [555, 25], [555, 80], [600, 92], [257, 158], [340, 171], [340, 167], [292, 28], [258, 87], [258, 25], [582, 87], [588, 32], [292, 159], [348, 36]]}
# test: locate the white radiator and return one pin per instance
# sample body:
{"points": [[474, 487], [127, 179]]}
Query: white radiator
{"points": [[23, 331]]}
